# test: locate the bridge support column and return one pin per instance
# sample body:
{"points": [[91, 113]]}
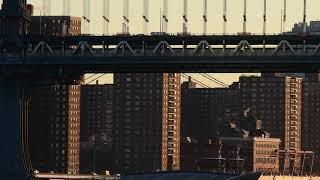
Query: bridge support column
{"points": [[13, 129]]}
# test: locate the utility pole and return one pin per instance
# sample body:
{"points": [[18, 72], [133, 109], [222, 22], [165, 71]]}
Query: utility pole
{"points": [[165, 16], [225, 17], [284, 19], [244, 16], [264, 17], [305, 16], [146, 15], [125, 24], [185, 17], [205, 14], [106, 16]]}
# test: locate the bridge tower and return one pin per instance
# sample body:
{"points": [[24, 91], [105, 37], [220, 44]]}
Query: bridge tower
{"points": [[13, 97]]}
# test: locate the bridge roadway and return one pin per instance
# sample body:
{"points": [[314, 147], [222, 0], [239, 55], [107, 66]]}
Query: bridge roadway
{"points": [[194, 53]]}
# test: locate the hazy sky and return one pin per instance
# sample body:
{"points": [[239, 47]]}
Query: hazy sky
{"points": [[215, 8]]}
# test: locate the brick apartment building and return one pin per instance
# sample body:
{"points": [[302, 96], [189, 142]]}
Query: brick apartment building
{"points": [[55, 25], [205, 109], [146, 134], [96, 127], [54, 122]]}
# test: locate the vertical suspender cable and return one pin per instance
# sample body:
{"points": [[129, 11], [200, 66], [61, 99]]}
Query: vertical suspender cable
{"points": [[205, 14], [146, 15], [125, 27], [225, 17], [305, 16], [106, 16], [165, 16], [264, 17], [284, 15], [244, 16], [66, 8], [185, 17]]}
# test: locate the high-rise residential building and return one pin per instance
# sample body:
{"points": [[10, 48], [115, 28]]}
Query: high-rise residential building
{"points": [[96, 112], [55, 25], [204, 109], [54, 122], [96, 127], [276, 100], [146, 128], [310, 120]]}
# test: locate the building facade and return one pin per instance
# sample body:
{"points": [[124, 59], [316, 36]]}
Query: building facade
{"points": [[146, 134], [55, 25], [310, 120], [54, 118], [96, 127], [205, 109], [276, 100]]}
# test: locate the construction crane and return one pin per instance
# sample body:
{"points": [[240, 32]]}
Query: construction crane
{"points": [[264, 17], [205, 15], [165, 16], [106, 16], [185, 17], [125, 24], [225, 17], [66, 8], [145, 15], [86, 16], [244, 16], [305, 16]]}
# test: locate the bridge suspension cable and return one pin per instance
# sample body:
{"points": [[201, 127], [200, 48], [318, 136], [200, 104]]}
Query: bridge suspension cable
{"points": [[184, 75], [66, 8], [165, 16], [284, 19], [90, 76], [106, 16], [185, 17], [225, 17], [125, 24], [244, 16], [95, 79], [216, 81], [205, 15], [145, 16], [305, 16], [46, 7], [86, 16], [264, 17]]}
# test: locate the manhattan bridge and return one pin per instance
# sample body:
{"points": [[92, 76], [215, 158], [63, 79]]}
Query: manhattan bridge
{"points": [[26, 59]]}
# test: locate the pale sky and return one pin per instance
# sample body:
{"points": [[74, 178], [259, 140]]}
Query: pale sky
{"points": [[215, 8]]}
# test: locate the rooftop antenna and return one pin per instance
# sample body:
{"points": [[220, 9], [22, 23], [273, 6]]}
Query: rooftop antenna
{"points": [[185, 17], [264, 17], [165, 16], [146, 15], [86, 16], [106, 16], [244, 16], [125, 24], [66, 8], [284, 19], [305, 16], [205, 14], [225, 17]]}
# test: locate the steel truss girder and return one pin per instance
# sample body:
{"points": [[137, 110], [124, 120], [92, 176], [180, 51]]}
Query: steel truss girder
{"points": [[242, 47], [283, 44], [82, 47], [123, 45], [43, 46], [203, 46], [162, 47]]}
